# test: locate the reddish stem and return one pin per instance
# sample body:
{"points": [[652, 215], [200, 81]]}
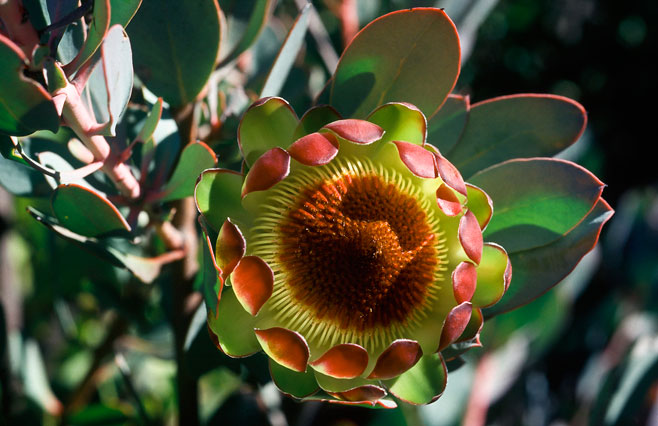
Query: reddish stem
{"points": [[76, 116]]}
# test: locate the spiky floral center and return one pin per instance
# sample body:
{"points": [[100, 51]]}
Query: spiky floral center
{"points": [[357, 254]]}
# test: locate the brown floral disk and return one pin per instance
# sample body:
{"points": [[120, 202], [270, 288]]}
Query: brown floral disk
{"points": [[358, 252]]}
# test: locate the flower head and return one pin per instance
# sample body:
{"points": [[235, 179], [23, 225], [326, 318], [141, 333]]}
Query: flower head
{"points": [[352, 252]]}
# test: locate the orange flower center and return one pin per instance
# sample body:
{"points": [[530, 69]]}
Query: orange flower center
{"points": [[358, 252]]}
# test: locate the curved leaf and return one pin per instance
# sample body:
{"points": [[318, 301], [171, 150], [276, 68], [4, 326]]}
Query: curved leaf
{"points": [[245, 21], [536, 201], [536, 270], [267, 124], [217, 196], [406, 56], [287, 54], [97, 31], [85, 212], [107, 13], [195, 158], [145, 269], [517, 126], [24, 105], [118, 71], [110, 84], [175, 47], [22, 180], [446, 126], [423, 383]]}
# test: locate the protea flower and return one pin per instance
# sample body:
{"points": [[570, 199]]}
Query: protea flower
{"points": [[352, 252]]}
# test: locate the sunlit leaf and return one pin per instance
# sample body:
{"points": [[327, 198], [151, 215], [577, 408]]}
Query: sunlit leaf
{"points": [[536, 201], [536, 270], [195, 158], [286, 57], [406, 56], [85, 212]]}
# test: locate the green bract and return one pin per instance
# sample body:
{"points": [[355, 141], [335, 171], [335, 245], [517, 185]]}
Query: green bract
{"points": [[353, 253]]}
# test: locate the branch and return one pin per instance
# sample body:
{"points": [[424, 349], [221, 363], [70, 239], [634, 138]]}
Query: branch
{"points": [[77, 117]]}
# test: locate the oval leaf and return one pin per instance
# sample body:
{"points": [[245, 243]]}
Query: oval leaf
{"points": [[24, 105], [86, 212], [538, 269], [406, 56], [536, 201], [517, 126], [175, 47], [217, 195], [118, 72], [446, 126], [195, 158], [267, 124]]}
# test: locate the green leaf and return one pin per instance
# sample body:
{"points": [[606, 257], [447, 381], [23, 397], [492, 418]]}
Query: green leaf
{"points": [[245, 22], [446, 126], [8, 149], [99, 25], [536, 270], [406, 56], [107, 13], [516, 126], [638, 375], [218, 195], [175, 46], [145, 269], [268, 123], [292, 382], [24, 105], [233, 326], [110, 84], [123, 11], [286, 57], [421, 384], [86, 212], [35, 378], [22, 180], [536, 201], [151, 122], [118, 71], [400, 122], [314, 119], [211, 286], [98, 414], [195, 158]]}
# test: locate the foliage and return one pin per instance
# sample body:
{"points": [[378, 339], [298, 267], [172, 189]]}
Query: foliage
{"points": [[111, 111]]}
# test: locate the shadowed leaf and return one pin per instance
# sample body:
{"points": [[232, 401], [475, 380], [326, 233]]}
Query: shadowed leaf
{"points": [[536, 201], [517, 126], [175, 47], [24, 105]]}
